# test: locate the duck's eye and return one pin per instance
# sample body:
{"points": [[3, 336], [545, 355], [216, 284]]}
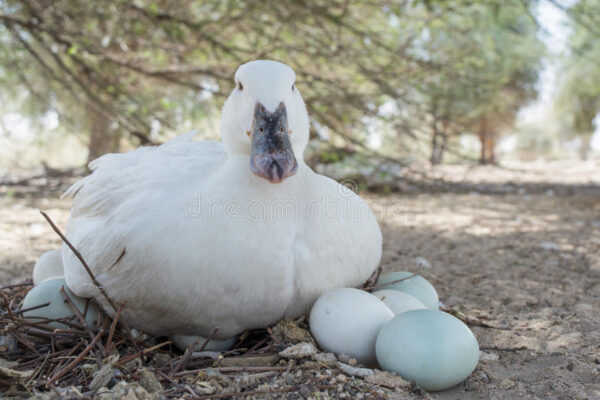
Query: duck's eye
{"points": [[293, 87], [240, 86]]}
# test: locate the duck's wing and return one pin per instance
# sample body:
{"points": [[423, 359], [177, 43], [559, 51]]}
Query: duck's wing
{"points": [[180, 147], [115, 207]]}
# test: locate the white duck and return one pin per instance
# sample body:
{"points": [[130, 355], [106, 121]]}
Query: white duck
{"points": [[234, 235]]}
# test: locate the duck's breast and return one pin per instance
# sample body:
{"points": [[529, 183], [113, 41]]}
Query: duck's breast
{"points": [[191, 245]]}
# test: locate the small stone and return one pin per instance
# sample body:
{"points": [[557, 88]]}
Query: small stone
{"points": [[353, 362], [104, 374], [305, 392], [344, 358], [125, 391], [7, 344], [290, 380], [549, 245], [484, 377], [485, 356], [133, 364], [149, 381], [328, 359], [89, 369], [387, 379], [162, 359], [102, 377], [506, 384], [288, 331], [311, 365], [422, 262]]}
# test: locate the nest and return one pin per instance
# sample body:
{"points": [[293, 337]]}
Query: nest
{"points": [[114, 361], [41, 361]]}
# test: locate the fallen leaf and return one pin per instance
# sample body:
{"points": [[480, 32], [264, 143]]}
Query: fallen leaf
{"points": [[300, 350]]}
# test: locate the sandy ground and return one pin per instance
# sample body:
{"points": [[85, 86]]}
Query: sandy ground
{"points": [[525, 262]]}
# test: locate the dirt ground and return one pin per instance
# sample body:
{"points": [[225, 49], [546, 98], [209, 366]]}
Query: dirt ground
{"points": [[523, 261]]}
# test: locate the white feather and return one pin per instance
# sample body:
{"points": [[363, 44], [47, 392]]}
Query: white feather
{"points": [[201, 242]]}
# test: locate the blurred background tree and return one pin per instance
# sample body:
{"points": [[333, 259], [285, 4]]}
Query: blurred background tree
{"points": [[578, 102], [400, 79]]}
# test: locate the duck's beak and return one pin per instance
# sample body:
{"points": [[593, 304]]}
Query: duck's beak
{"points": [[271, 156]]}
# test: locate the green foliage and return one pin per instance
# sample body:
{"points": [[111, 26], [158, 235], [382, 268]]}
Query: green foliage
{"points": [[578, 102], [579, 99], [445, 65], [488, 56], [329, 157]]}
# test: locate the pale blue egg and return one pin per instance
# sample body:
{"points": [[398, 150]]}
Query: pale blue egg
{"points": [[48, 266], [430, 347], [398, 301], [416, 286], [48, 291], [347, 321]]}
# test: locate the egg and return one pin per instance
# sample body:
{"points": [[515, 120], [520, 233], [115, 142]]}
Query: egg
{"points": [[430, 347], [48, 291], [347, 320], [183, 341], [398, 301], [416, 286], [48, 266]]}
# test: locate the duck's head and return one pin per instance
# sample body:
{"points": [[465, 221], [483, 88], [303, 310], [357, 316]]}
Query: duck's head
{"points": [[265, 118]]}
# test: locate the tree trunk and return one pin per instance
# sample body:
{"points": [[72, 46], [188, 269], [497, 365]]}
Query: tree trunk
{"points": [[434, 148], [488, 143], [438, 148], [102, 139], [439, 142], [482, 139], [491, 148]]}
